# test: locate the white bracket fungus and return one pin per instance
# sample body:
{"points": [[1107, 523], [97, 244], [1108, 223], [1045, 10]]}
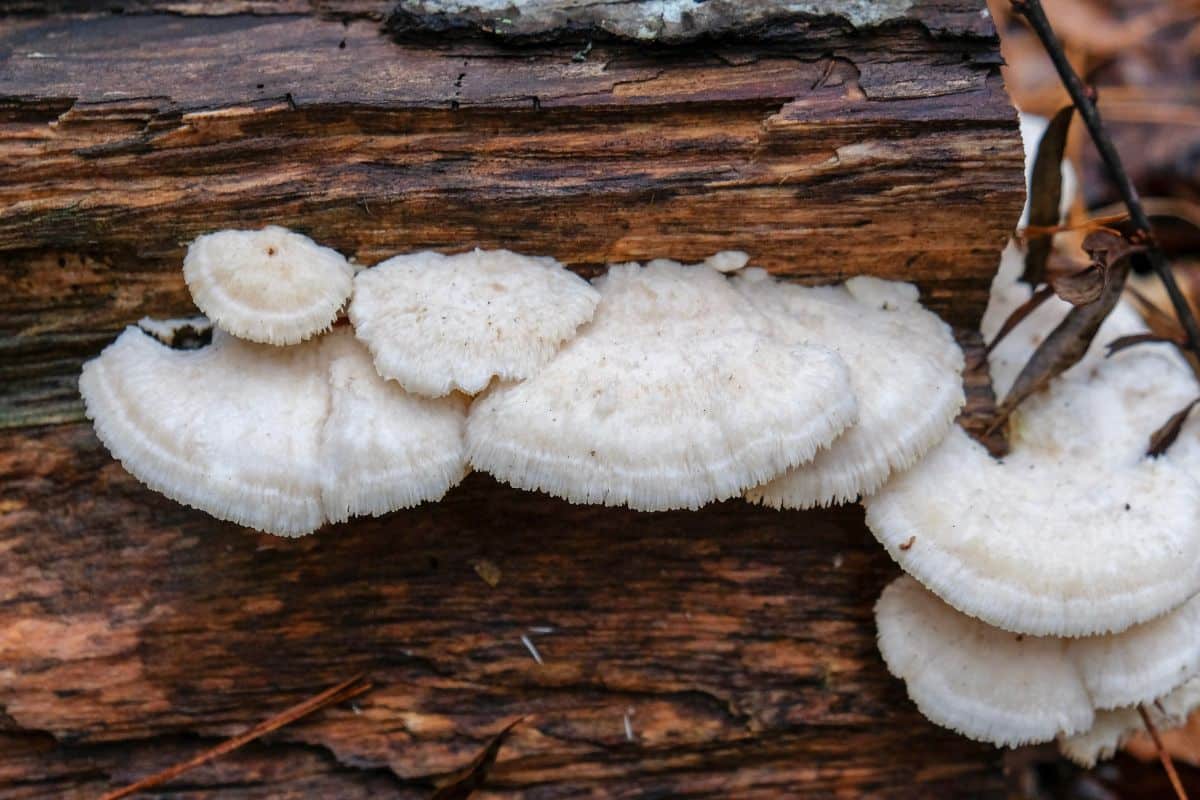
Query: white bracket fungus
{"points": [[1010, 689], [281, 439], [675, 395], [271, 286], [905, 368], [1112, 729], [1042, 544], [439, 323]]}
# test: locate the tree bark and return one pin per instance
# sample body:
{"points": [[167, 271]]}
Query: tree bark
{"points": [[736, 643]]}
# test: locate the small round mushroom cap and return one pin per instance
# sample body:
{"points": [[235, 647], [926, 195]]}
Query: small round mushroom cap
{"points": [[905, 368], [249, 433], [271, 286], [439, 323], [1113, 729], [1040, 544], [1011, 689], [676, 394]]}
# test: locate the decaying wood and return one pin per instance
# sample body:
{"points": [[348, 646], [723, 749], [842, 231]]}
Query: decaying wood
{"points": [[821, 151], [736, 641]]}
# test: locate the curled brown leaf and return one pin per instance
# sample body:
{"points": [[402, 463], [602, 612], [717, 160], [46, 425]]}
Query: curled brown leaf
{"points": [[1125, 342], [1165, 436], [1019, 313], [465, 781], [1045, 193], [1067, 343]]}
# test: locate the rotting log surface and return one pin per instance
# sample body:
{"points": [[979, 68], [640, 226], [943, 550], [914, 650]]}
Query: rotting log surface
{"points": [[822, 151], [739, 641]]}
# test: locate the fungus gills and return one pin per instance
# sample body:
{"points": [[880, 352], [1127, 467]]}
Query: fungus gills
{"points": [[905, 367], [678, 393], [281, 439]]}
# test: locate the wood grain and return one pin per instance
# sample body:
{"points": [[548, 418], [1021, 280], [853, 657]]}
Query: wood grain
{"points": [[134, 632], [821, 152], [739, 640]]}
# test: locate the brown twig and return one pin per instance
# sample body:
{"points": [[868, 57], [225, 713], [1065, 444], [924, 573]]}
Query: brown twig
{"points": [[335, 694], [1084, 99], [1163, 755]]}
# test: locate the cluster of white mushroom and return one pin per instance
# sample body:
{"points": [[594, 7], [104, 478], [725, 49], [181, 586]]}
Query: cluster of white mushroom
{"points": [[655, 387], [1055, 591]]}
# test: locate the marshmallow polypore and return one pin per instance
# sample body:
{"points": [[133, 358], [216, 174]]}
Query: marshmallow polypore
{"points": [[905, 368], [1113, 728], [253, 434], [1011, 689], [675, 395], [271, 286], [1041, 544], [439, 323]]}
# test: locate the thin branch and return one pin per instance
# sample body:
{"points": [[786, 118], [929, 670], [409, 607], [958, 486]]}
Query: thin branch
{"points": [[335, 694], [1163, 755], [1084, 100]]}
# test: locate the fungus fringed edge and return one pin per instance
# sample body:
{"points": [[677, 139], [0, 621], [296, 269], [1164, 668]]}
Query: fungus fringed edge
{"points": [[676, 394]]}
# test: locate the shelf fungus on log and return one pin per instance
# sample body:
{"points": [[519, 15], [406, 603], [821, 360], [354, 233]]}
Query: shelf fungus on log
{"points": [[1010, 689], [271, 285], [675, 395], [281, 439], [1075, 532], [906, 369], [1039, 543], [1114, 727], [439, 323]]}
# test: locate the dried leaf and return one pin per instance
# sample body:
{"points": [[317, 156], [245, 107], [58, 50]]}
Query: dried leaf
{"points": [[471, 777], [1019, 313], [1066, 344], [1165, 436], [1045, 192], [1125, 342], [1080, 287], [1107, 248]]}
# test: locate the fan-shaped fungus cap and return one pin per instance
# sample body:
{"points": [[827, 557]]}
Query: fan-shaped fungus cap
{"points": [[1010, 689], [1040, 544], [905, 368], [271, 285], [439, 323], [675, 395], [383, 448], [249, 433], [1112, 729]]}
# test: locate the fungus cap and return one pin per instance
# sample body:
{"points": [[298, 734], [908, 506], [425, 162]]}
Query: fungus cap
{"points": [[1010, 689], [1042, 545], [384, 448], [905, 368], [1113, 728], [271, 286], [675, 395], [439, 323], [249, 432]]}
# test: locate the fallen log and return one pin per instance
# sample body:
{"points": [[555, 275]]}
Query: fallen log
{"points": [[726, 652]]}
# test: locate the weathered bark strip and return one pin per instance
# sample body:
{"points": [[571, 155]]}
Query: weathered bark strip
{"points": [[822, 151], [739, 640]]}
